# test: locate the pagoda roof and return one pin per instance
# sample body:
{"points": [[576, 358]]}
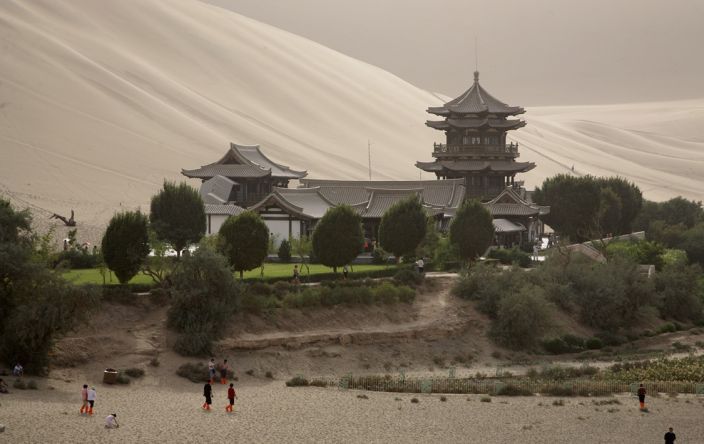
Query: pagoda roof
{"points": [[475, 123], [381, 199], [217, 190], [510, 203], [506, 226], [223, 210], [466, 165], [476, 100], [244, 161]]}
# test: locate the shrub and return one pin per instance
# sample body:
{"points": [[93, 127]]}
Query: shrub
{"points": [[297, 381], [386, 293], [76, 259], [406, 294], [282, 287], [556, 346], [284, 252], [414, 400], [513, 256], [194, 372], [154, 362], [32, 385], [134, 372], [19, 384], [513, 390], [558, 390], [485, 399], [443, 398], [667, 328], [379, 257], [522, 318], [679, 293], [408, 277], [122, 379], [269, 375], [594, 343], [204, 296]]}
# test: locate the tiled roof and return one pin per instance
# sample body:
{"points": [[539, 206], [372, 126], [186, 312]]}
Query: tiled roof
{"points": [[380, 200], [254, 155], [507, 166], [217, 190], [476, 100], [226, 210], [229, 170], [506, 226], [509, 203], [476, 123]]}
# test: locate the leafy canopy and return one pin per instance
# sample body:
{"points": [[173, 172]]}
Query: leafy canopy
{"points": [[244, 241], [178, 215], [403, 227], [125, 244], [338, 237], [472, 230]]}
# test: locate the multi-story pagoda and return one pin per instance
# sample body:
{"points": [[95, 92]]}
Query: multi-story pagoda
{"points": [[475, 124]]}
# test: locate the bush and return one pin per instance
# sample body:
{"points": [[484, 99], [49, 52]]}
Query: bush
{"points": [[284, 252], [134, 372], [406, 294], [594, 344], [513, 390], [19, 384], [666, 328], [32, 385], [122, 379], [194, 372], [558, 390], [679, 292], [280, 288], [386, 293], [408, 277], [513, 256], [204, 297], [76, 259], [154, 362], [522, 318], [297, 381], [193, 343]]}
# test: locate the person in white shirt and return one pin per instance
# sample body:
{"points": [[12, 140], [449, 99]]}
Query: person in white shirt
{"points": [[421, 265], [91, 399], [111, 421]]}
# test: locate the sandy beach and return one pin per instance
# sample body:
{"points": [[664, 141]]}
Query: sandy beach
{"points": [[166, 408]]}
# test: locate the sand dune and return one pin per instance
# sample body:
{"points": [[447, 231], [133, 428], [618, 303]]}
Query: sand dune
{"points": [[100, 101]]}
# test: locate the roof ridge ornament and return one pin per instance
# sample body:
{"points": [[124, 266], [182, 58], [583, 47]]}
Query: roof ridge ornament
{"points": [[476, 76]]}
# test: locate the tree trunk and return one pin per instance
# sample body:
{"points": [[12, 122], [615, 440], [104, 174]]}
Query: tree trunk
{"points": [[241, 275]]}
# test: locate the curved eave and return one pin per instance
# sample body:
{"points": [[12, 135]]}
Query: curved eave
{"points": [[277, 199]]}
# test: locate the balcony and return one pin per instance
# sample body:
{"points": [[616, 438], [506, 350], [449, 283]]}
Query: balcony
{"points": [[443, 150]]}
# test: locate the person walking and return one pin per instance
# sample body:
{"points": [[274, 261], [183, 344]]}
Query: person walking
{"points": [[224, 368], [421, 265], [345, 271], [231, 395], [90, 396], [208, 393], [18, 370], [211, 369], [641, 396], [84, 399], [670, 437]]}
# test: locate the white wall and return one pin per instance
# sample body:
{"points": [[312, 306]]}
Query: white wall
{"points": [[279, 228], [216, 221]]}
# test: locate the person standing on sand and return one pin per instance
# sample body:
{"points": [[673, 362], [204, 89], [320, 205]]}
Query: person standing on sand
{"points": [[84, 399], [208, 393], [91, 395], [641, 396], [111, 421], [670, 437], [223, 372], [231, 395], [211, 369]]}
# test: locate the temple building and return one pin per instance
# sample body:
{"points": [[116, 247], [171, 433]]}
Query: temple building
{"points": [[475, 126], [243, 176], [474, 163]]}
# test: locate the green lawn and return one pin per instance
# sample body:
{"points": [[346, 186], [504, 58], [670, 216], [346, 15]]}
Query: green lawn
{"points": [[92, 276]]}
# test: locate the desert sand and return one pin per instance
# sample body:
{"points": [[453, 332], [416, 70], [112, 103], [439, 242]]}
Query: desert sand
{"points": [[165, 408], [101, 101]]}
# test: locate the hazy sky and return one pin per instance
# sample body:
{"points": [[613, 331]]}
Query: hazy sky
{"points": [[531, 52]]}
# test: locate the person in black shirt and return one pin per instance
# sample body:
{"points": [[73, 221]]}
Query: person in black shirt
{"points": [[208, 393], [670, 437], [641, 396]]}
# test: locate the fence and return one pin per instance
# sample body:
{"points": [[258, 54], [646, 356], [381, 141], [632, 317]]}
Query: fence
{"points": [[503, 386]]}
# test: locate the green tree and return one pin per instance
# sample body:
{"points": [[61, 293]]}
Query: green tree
{"points": [[472, 230], [609, 212], [523, 317], [672, 212], [693, 243], [244, 241], [403, 227], [338, 237], [574, 204], [125, 244], [679, 292], [631, 200], [35, 304], [178, 215], [284, 252]]}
